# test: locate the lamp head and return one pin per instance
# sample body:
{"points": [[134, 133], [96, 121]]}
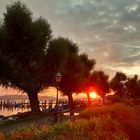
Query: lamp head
{"points": [[58, 77]]}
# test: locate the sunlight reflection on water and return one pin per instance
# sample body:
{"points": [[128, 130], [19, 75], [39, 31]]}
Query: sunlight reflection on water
{"points": [[6, 111], [68, 113]]}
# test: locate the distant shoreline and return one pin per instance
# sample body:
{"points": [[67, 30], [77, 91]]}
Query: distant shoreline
{"points": [[23, 97]]}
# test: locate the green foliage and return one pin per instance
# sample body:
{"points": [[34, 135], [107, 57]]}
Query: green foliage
{"points": [[133, 86], [17, 24], [2, 137], [23, 51], [95, 128], [117, 83], [65, 58], [122, 85], [88, 64], [55, 60], [99, 81], [127, 116], [117, 111], [41, 32], [30, 132]]}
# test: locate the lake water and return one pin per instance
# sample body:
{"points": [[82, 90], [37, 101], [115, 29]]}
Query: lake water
{"points": [[7, 111], [8, 108], [12, 109]]}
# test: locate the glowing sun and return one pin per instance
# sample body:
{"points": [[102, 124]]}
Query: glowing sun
{"points": [[93, 95]]}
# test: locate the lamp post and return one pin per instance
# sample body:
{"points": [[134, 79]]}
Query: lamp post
{"points": [[58, 80]]}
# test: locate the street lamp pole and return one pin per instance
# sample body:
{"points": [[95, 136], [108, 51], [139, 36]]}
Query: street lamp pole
{"points": [[57, 88], [58, 80]]}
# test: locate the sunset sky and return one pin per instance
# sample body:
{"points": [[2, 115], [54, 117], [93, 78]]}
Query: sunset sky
{"points": [[107, 30]]}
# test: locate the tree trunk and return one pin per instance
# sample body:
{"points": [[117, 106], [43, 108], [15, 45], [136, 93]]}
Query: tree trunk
{"points": [[103, 100], [70, 98], [34, 103], [119, 93], [89, 100]]}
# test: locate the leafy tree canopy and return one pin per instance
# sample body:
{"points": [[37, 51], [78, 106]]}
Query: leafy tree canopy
{"points": [[23, 50], [75, 68], [117, 83], [133, 86], [99, 81]]}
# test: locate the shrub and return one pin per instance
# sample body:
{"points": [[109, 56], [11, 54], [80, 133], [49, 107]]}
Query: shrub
{"points": [[2, 137], [95, 128], [118, 111], [31, 132]]}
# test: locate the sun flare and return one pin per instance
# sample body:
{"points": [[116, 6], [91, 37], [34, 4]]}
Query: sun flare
{"points": [[93, 94]]}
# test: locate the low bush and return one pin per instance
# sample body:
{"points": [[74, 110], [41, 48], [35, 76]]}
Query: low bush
{"points": [[97, 128], [30, 132], [2, 137], [118, 111]]}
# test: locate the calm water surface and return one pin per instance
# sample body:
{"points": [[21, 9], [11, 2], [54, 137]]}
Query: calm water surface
{"points": [[6, 111]]}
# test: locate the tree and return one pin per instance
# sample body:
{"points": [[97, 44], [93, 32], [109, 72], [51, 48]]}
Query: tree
{"points": [[23, 51], [77, 71], [87, 88], [88, 66], [64, 57], [99, 82], [133, 86], [117, 83], [56, 58], [74, 67]]}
